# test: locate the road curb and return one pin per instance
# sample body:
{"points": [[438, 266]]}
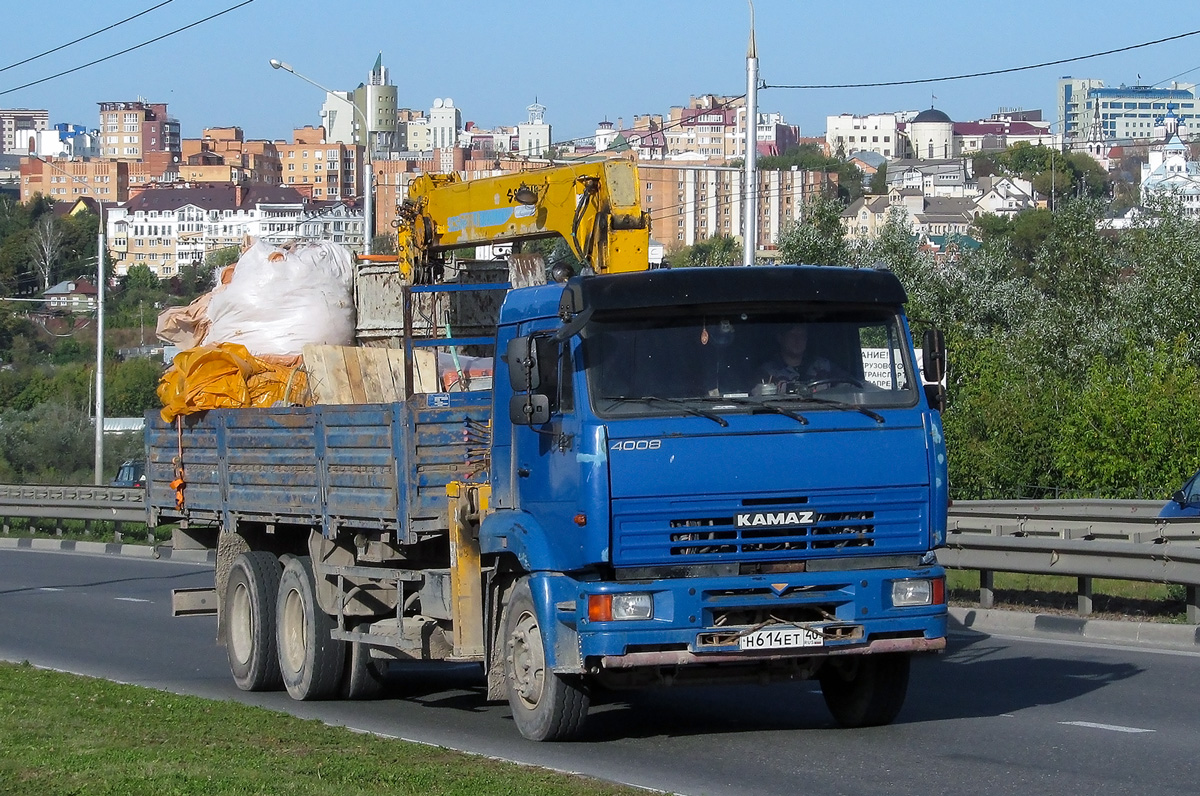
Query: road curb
{"points": [[1112, 631], [162, 552]]}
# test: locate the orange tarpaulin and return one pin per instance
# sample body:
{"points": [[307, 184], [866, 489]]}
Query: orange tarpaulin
{"points": [[226, 376]]}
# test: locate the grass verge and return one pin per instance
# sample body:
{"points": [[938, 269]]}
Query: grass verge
{"points": [[1111, 599], [88, 530], [65, 734]]}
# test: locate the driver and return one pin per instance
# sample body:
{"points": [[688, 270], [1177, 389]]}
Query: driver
{"points": [[795, 364]]}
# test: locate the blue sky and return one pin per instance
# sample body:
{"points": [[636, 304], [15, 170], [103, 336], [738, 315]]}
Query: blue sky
{"points": [[583, 61]]}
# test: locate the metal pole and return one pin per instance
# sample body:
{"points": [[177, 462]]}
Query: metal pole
{"points": [[101, 245], [750, 199]]}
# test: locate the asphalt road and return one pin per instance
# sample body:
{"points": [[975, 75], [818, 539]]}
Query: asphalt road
{"points": [[993, 715]]}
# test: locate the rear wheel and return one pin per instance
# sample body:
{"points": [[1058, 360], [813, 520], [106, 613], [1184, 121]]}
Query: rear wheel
{"points": [[545, 706], [865, 690], [250, 596], [364, 675], [310, 660]]}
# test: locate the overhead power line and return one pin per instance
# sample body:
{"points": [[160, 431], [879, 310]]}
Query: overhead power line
{"points": [[128, 49], [83, 38], [1009, 70]]}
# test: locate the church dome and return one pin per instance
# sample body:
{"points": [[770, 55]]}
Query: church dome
{"points": [[932, 115]]}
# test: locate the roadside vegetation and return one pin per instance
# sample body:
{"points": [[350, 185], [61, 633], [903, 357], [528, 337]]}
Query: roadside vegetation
{"points": [[69, 734], [1073, 348], [48, 359]]}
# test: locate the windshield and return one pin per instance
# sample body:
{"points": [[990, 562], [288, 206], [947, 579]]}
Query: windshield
{"points": [[798, 358]]}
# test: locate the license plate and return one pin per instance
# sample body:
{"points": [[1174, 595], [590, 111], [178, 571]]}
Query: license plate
{"points": [[775, 638]]}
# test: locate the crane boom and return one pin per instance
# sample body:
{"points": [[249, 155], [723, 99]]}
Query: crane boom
{"points": [[594, 207]]}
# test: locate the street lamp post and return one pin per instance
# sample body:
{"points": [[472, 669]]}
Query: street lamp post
{"points": [[750, 211], [368, 172]]}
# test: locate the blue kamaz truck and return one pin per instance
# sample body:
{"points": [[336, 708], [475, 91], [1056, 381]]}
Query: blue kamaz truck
{"points": [[651, 490]]}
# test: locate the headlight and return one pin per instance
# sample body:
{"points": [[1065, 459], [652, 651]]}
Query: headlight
{"points": [[918, 591], [617, 607]]}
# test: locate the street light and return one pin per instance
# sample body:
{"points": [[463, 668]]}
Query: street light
{"points": [[368, 172]]}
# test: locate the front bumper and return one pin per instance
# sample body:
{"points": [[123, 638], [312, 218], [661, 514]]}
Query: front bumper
{"points": [[699, 621]]}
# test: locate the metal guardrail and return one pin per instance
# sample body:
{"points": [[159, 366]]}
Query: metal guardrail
{"points": [[111, 503], [1123, 539], [1085, 539]]}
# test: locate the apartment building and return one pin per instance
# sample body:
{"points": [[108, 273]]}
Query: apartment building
{"points": [[248, 161], [690, 202], [68, 179], [874, 132], [131, 130], [14, 119], [711, 126], [331, 169], [167, 228]]}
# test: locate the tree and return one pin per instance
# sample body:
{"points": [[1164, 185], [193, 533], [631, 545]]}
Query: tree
{"points": [[45, 247], [219, 258], [383, 244], [715, 251], [878, 186], [818, 238]]}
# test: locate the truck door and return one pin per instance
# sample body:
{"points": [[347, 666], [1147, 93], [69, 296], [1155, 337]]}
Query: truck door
{"points": [[548, 455]]}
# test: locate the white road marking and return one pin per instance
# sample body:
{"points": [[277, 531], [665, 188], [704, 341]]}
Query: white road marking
{"points": [[1109, 727], [131, 600], [48, 588]]}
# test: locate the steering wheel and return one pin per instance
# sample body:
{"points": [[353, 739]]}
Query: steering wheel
{"points": [[811, 386]]}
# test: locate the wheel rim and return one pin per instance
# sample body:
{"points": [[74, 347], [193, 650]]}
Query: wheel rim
{"points": [[241, 624], [292, 636], [527, 659]]}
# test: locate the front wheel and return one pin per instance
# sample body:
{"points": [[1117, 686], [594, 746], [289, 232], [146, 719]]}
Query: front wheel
{"points": [[865, 690], [310, 659], [545, 706]]}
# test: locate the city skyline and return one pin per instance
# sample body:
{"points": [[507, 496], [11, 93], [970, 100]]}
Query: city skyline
{"points": [[632, 59]]}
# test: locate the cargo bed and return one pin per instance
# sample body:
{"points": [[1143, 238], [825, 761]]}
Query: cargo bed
{"points": [[362, 466]]}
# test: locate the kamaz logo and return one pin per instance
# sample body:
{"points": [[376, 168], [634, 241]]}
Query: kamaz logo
{"points": [[760, 518]]}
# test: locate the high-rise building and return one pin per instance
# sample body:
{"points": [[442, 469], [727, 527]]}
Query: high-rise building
{"points": [[374, 102], [1124, 112], [130, 131], [445, 123], [533, 136], [331, 170], [13, 119]]}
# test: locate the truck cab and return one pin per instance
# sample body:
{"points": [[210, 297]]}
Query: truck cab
{"points": [[684, 513]]}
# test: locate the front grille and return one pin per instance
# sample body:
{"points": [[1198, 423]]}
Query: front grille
{"points": [[757, 529], [719, 535]]}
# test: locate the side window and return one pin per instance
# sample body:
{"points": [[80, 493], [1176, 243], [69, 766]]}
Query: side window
{"points": [[555, 373]]}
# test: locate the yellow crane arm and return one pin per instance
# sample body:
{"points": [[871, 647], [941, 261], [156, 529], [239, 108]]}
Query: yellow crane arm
{"points": [[594, 207]]}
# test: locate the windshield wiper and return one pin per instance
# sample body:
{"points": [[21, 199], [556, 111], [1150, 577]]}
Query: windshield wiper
{"points": [[770, 406], [878, 418], [684, 405]]}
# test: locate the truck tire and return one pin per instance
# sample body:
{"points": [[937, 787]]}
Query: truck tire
{"points": [[310, 660], [250, 595], [364, 675], [545, 706], [865, 690]]}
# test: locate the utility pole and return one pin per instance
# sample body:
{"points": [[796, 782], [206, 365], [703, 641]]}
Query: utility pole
{"points": [[750, 199]]}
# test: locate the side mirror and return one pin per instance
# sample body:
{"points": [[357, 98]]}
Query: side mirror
{"points": [[522, 367], [529, 410], [933, 356], [1180, 498], [936, 395]]}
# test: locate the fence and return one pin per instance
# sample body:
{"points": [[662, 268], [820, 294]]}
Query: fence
{"points": [[114, 504], [1085, 539]]}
